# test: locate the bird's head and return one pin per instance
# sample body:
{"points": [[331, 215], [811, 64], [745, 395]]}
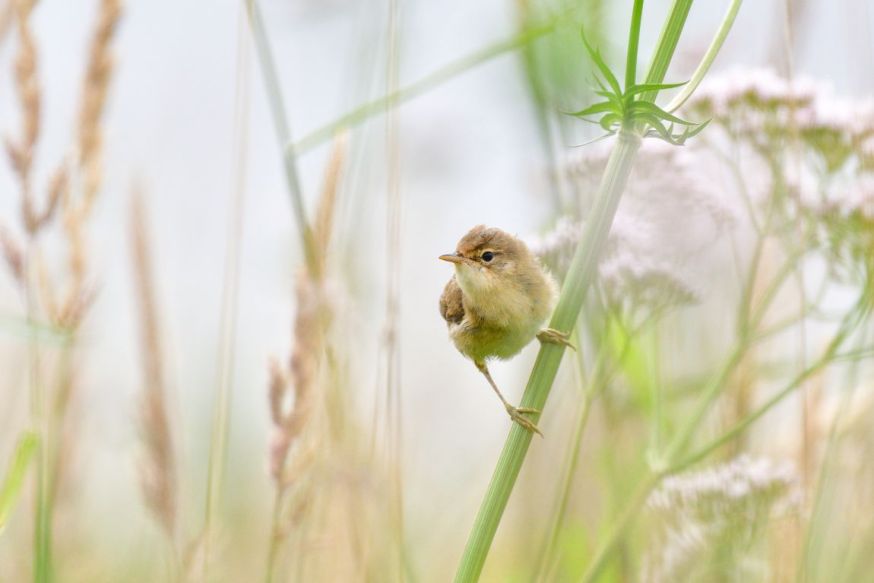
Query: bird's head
{"points": [[486, 258]]}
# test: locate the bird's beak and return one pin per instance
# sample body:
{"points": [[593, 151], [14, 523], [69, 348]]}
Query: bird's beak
{"points": [[452, 258]]}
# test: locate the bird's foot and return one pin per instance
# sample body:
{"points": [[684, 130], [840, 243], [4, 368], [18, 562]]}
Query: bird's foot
{"points": [[555, 337], [517, 414]]}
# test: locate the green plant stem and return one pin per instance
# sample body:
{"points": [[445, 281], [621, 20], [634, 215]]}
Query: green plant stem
{"points": [[817, 527], [46, 333], [540, 102], [423, 85], [846, 328], [573, 293], [849, 324], [219, 434], [41, 426], [548, 547], [667, 44], [708, 58], [275, 534], [633, 43], [638, 499], [283, 133], [748, 323], [10, 488], [599, 379]]}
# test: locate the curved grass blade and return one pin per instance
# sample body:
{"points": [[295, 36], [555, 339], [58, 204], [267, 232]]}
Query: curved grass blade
{"points": [[639, 107], [608, 121], [644, 87], [602, 66], [602, 107], [14, 479]]}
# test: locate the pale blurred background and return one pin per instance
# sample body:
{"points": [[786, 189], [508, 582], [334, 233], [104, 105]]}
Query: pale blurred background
{"points": [[470, 153]]}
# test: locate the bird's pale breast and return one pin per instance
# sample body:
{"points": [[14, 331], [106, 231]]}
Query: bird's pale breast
{"points": [[497, 324]]}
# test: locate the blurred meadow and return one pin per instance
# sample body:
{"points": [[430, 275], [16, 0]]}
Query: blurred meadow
{"points": [[221, 356]]}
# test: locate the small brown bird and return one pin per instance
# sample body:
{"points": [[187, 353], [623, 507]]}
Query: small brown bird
{"points": [[497, 302]]}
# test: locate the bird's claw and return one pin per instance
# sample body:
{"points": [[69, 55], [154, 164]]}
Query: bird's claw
{"points": [[517, 414], [554, 336]]}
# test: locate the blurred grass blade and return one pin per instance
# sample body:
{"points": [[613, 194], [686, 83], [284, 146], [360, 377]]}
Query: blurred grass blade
{"points": [[423, 85], [282, 126], [14, 479]]}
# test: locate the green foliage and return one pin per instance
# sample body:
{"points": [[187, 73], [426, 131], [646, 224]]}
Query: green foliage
{"points": [[630, 109]]}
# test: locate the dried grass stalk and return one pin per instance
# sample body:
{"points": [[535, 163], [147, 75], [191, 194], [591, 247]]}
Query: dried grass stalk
{"points": [[97, 77], [12, 254], [158, 469], [27, 88], [299, 383], [77, 210]]}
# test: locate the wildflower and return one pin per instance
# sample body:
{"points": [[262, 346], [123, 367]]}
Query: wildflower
{"points": [[650, 260], [722, 508]]}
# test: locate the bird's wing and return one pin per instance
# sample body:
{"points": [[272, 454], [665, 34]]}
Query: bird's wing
{"points": [[451, 306]]}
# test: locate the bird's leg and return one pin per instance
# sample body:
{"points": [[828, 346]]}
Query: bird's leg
{"points": [[516, 413], [553, 336]]}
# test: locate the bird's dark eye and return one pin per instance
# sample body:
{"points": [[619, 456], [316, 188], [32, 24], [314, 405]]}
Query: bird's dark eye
{"points": [[488, 256]]}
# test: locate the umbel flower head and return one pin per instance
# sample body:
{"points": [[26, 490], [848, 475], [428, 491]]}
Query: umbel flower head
{"points": [[651, 260], [765, 109], [814, 152], [711, 518]]}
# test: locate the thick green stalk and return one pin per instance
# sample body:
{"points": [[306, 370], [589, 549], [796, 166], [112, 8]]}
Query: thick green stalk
{"points": [[574, 290]]}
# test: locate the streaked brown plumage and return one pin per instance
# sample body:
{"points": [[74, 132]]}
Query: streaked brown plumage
{"points": [[497, 301]]}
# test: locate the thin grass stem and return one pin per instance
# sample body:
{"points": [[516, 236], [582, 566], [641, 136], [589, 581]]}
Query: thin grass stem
{"points": [[617, 531], [432, 80], [283, 133], [845, 330], [229, 306]]}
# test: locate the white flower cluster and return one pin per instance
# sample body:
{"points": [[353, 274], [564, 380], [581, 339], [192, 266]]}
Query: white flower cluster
{"points": [[634, 270], [629, 270], [813, 156], [763, 106], [721, 507], [556, 247], [669, 214], [721, 95], [722, 488]]}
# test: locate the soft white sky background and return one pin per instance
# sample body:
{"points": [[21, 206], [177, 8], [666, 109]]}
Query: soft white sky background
{"points": [[469, 155]]}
